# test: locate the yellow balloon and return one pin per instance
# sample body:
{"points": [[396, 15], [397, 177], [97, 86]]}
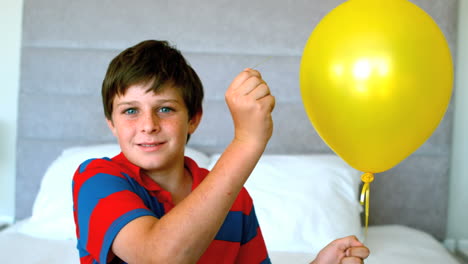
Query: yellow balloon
{"points": [[376, 79]]}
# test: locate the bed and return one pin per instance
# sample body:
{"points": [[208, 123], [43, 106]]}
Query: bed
{"points": [[64, 58], [302, 202]]}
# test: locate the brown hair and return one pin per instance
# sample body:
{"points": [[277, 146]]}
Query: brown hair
{"points": [[154, 62]]}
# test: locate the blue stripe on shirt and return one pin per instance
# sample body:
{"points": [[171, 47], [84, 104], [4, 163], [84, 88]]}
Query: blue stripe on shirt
{"points": [[230, 230], [91, 192], [150, 201]]}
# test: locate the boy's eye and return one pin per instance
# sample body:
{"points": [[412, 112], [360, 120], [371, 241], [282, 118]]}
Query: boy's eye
{"points": [[130, 111], [165, 109]]}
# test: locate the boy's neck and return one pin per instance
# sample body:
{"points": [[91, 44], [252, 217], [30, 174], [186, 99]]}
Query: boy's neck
{"points": [[178, 182]]}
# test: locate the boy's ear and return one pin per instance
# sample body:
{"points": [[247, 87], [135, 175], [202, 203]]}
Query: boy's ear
{"points": [[111, 126], [194, 121]]}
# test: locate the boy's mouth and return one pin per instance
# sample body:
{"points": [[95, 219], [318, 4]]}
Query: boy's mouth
{"points": [[150, 146]]}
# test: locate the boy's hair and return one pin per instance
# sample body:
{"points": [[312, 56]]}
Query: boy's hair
{"points": [[152, 62]]}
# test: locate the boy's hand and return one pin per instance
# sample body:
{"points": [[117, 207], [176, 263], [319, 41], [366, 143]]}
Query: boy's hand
{"points": [[250, 102], [347, 250]]}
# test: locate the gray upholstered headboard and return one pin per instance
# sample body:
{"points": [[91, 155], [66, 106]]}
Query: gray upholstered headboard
{"points": [[67, 46]]}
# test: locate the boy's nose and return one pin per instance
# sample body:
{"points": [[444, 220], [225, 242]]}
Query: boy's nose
{"points": [[150, 123]]}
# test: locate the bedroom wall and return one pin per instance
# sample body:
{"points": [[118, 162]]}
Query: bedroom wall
{"points": [[10, 39], [458, 198]]}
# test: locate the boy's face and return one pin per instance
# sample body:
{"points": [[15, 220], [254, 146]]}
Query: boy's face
{"points": [[152, 128]]}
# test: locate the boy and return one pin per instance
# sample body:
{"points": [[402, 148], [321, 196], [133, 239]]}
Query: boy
{"points": [[150, 204]]}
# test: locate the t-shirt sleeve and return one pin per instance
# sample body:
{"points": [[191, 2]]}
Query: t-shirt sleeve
{"points": [[104, 201]]}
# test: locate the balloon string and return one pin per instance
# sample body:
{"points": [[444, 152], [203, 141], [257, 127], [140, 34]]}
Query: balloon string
{"points": [[367, 178], [260, 63]]}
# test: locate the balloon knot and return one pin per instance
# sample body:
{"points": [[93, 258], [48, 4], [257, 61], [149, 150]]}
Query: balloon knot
{"points": [[367, 177]]}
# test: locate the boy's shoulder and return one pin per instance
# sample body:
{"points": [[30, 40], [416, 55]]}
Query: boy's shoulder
{"points": [[94, 166], [104, 163], [105, 174]]}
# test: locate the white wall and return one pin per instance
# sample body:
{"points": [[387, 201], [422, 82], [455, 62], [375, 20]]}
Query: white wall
{"points": [[10, 43], [458, 199]]}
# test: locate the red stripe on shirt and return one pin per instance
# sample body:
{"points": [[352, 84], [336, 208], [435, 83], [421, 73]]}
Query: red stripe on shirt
{"points": [[253, 251], [220, 252], [244, 204]]}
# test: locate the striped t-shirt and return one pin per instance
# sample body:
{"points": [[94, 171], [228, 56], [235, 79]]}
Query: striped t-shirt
{"points": [[109, 193]]}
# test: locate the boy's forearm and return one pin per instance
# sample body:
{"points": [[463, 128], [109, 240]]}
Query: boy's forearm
{"points": [[192, 225]]}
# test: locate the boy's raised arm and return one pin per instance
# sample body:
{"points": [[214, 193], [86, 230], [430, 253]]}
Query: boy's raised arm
{"points": [[183, 234]]}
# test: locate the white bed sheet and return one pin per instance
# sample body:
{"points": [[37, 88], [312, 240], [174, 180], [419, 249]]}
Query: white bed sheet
{"points": [[19, 248], [388, 244]]}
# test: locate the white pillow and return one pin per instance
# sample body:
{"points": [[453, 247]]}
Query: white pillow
{"points": [[303, 202], [52, 214]]}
